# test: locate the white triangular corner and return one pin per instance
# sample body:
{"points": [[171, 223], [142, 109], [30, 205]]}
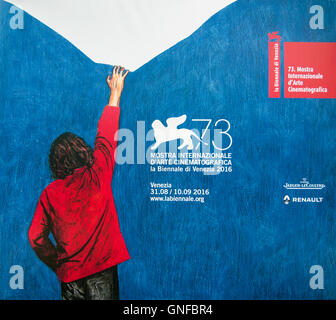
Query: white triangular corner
{"points": [[123, 32]]}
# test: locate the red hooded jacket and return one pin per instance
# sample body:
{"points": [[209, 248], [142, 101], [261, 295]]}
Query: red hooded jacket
{"points": [[80, 213]]}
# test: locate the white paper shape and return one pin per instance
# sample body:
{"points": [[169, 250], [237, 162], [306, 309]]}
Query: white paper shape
{"points": [[123, 32]]}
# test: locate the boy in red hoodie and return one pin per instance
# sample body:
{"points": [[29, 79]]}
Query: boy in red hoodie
{"points": [[78, 209]]}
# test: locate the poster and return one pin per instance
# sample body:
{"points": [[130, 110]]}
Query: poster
{"points": [[224, 176]]}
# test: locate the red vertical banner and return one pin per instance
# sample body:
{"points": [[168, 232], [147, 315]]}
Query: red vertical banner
{"points": [[274, 64]]}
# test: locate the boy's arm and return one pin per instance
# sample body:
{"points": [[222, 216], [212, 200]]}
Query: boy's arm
{"points": [[39, 235], [106, 141], [108, 125]]}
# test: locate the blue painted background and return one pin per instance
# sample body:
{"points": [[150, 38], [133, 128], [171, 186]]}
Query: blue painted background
{"points": [[243, 243]]}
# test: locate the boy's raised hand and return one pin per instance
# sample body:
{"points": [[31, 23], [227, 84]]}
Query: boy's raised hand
{"points": [[116, 84]]}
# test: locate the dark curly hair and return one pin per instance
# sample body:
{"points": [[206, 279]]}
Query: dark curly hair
{"points": [[67, 153]]}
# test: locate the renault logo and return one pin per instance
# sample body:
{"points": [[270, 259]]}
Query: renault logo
{"points": [[286, 199]]}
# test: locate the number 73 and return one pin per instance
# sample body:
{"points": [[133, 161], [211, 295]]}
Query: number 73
{"points": [[216, 131]]}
